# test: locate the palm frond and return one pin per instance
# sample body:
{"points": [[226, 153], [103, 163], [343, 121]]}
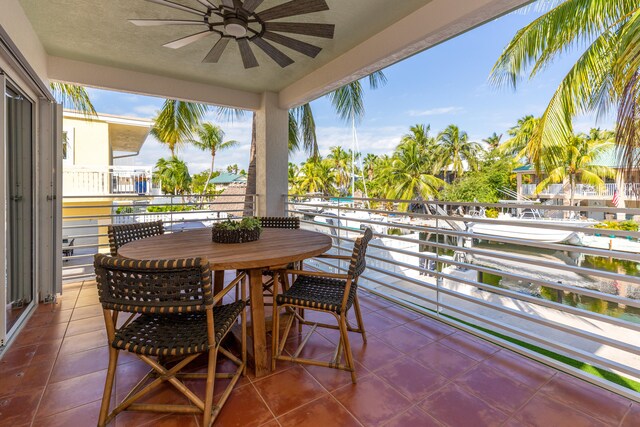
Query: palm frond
{"points": [[73, 97]]}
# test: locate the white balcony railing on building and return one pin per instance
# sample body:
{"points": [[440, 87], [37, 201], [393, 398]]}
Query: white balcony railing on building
{"points": [[630, 190], [100, 181], [579, 300]]}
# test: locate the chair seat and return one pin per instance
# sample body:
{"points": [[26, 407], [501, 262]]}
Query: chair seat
{"points": [[175, 334], [317, 292]]}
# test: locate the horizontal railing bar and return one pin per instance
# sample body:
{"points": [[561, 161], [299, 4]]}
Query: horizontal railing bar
{"points": [[154, 196], [71, 267], [538, 206], [174, 221], [588, 356], [511, 240], [524, 260], [465, 220], [120, 215]]}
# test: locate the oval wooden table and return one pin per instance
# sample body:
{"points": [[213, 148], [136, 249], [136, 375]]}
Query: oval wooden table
{"points": [[275, 247]]}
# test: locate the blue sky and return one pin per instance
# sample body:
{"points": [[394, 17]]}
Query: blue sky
{"points": [[443, 85]]}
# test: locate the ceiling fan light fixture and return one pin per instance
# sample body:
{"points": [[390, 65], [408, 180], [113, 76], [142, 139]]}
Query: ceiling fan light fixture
{"points": [[235, 27]]}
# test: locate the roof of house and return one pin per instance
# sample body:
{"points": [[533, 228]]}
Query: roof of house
{"points": [[227, 178], [231, 200]]}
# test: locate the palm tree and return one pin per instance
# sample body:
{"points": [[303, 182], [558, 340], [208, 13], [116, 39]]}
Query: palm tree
{"points": [[369, 165], [340, 161], [493, 141], [175, 123], [454, 148], [520, 144], [576, 163], [173, 173], [73, 96], [316, 176], [211, 139], [420, 135], [605, 76], [407, 176]]}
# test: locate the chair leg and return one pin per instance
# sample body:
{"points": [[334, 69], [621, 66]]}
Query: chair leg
{"points": [[347, 347], [211, 379], [108, 386], [356, 307], [275, 333]]}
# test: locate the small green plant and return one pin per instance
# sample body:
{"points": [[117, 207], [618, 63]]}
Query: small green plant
{"points": [[248, 223], [394, 232], [491, 213], [124, 210], [628, 225], [165, 208]]}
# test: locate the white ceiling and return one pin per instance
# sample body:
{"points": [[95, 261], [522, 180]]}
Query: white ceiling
{"points": [[98, 32]]}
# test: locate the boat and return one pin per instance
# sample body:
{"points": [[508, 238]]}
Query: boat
{"points": [[524, 226]]}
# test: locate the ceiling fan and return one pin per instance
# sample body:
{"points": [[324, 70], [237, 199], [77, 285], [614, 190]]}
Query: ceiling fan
{"points": [[238, 20]]}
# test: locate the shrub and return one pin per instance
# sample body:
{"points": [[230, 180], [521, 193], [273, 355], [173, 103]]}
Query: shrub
{"points": [[247, 223], [628, 225]]}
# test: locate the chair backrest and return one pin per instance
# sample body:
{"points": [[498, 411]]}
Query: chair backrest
{"points": [[358, 256], [157, 286], [125, 233], [290, 222]]}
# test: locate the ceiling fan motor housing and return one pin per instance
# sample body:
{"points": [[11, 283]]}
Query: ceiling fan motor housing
{"points": [[235, 25]]}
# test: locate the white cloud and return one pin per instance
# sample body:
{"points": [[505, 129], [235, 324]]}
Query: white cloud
{"points": [[435, 111], [147, 111]]}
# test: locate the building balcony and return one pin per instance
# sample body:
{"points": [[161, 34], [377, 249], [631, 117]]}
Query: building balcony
{"points": [[107, 180], [581, 190]]}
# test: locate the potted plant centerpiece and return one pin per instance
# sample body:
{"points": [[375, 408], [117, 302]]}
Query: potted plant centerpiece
{"points": [[229, 231]]}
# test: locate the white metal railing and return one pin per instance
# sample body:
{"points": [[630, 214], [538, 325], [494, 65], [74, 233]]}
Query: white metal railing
{"points": [[630, 190], [105, 180], [85, 221], [448, 260]]}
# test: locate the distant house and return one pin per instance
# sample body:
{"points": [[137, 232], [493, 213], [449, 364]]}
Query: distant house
{"points": [[225, 179], [584, 195]]}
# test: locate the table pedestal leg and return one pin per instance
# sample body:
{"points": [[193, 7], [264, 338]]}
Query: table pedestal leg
{"points": [[218, 281], [258, 323]]}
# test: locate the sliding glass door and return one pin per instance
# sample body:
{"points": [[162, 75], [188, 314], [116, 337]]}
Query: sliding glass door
{"points": [[17, 127]]}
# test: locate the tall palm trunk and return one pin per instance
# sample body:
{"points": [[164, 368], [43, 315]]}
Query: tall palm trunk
{"points": [[249, 200], [206, 184]]}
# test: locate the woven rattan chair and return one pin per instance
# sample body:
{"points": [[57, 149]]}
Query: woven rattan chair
{"points": [[325, 292], [124, 233], [174, 315], [286, 222]]}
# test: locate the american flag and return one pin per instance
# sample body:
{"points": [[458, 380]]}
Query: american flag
{"points": [[616, 199]]}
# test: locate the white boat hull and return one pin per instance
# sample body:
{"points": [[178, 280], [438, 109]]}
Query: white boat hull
{"points": [[538, 234]]}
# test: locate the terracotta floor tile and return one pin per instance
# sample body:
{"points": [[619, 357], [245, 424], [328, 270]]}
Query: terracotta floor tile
{"points": [[590, 399], [176, 420], [87, 300], [26, 377], [404, 339], [332, 379], [414, 417], [16, 357], [82, 326], [545, 411], [633, 417], [444, 360], [83, 342], [373, 304], [470, 346], [71, 393], [138, 419], [374, 353], [19, 407], [85, 415], [244, 408], [371, 401], [321, 412], [47, 352], [50, 332], [39, 319], [287, 390], [498, 390], [316, 346], [410, 378], [454, 406], [76, 364], [400, 314], [88, 311], [520, 368], [376, 322], [431, 328]]}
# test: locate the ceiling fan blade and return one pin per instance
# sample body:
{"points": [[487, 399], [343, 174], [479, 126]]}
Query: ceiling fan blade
{"points": [[208, 4], [217, 50], [297, 45], [228, 3], [292, 8], [282, 59], [251, 5], [182, 42], [316, 30], [248, 58], [177, 6], [157, 22]]}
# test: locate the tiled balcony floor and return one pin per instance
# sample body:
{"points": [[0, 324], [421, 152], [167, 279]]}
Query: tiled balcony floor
{"points": [[414, 371]]}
